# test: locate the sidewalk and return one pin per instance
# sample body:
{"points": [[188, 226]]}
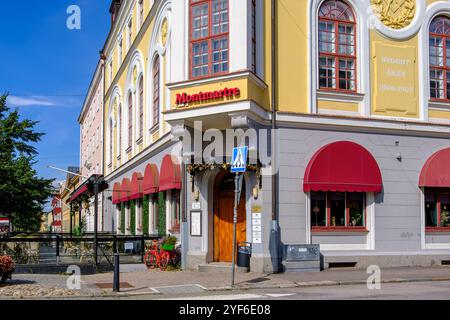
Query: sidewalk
{"points": [[157, 282]]}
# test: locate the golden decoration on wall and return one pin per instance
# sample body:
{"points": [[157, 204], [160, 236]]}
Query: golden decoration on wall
{"points": [[396, 14], [134, 76], [164, 32]]}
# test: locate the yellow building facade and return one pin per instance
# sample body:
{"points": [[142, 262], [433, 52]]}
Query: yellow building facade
{"points": [[366, 79]]}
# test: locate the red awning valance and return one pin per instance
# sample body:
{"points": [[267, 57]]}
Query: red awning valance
{"points": [[125, 190], [82, 190], [436, 171], [116, 193], [344, 167], [170, 177], [151, 179], [136, 186]]}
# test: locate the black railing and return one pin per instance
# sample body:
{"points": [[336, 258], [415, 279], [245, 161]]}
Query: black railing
{"points": [[50, 248]]}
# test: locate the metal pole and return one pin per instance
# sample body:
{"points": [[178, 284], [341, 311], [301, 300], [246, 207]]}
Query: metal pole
{"points": [[95, 219], [142, 248], [116, 283], [236, 193], [57, 248], [71, 219]]}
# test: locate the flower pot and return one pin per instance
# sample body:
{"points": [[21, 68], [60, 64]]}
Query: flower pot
{"points": [[168, 247]]}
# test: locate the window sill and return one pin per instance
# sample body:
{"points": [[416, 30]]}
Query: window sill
{"points": [[336, 95], [437, 229], [119, 157], [128, 150], [439, 103], [154, 129], [339, 229], [139, 141]]}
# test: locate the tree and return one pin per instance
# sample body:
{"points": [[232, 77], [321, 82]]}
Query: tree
{"points": [[22, 193]]}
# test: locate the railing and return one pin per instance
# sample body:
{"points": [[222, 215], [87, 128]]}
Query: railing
{"points": [[62, 248]]}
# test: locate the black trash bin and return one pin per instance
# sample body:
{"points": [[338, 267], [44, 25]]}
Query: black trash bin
{"points": [[244, 254]]}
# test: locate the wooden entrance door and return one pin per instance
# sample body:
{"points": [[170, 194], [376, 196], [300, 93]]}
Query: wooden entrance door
{"points": [[223, 217]]}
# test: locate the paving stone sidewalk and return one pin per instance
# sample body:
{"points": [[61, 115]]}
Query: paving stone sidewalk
{"points": [[138, 281]]}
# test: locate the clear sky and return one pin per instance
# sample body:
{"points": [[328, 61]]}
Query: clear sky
{"points": [[47, 68]]}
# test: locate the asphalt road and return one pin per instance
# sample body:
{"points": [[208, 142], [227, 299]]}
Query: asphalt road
{"points": [[435, 290]]}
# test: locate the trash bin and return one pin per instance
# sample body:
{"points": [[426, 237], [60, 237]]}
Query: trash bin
{"points": [[244, 254]]}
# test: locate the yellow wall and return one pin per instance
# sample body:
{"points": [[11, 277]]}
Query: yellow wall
{"points": [[439, 114], [293, 76], [336, 105]]}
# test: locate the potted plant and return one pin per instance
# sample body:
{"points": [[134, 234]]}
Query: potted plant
{"points": [[445, 217], [6, 268], [168, 243]]}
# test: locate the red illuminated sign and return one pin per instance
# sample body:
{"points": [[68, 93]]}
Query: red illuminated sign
{"points": [[186, 99]]}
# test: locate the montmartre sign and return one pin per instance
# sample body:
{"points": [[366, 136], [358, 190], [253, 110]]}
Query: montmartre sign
{"points": [[185, 99]]}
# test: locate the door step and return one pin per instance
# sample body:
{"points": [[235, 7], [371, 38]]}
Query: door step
{"points": [[220, 268]]}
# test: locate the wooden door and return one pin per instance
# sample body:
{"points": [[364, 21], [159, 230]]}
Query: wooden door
{"points": [[223, 218]]}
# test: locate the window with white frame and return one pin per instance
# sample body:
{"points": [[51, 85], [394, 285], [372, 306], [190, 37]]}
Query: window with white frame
{"points": [[156, 87], [120, 51], [130, 119], [338, 210], [440, 58], [141, 106], [337, 46]]}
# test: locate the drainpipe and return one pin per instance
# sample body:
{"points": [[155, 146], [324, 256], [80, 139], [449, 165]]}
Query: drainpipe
{"points": [[274, 243]]}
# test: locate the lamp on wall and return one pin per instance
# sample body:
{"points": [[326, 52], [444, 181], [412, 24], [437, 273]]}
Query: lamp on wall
{"points": [[196, 195], [255, 192]]}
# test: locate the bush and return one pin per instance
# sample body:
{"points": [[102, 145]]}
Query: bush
{"points": [[6, 268]]}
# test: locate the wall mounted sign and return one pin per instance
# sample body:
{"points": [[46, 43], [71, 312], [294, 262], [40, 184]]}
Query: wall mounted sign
{"points": [[196, 223], [185, 99], [257, 227]]}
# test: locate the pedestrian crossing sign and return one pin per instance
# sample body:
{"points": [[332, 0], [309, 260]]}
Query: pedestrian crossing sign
{"points": [[239, 160]]}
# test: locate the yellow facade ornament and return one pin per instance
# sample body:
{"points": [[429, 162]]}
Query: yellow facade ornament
{"points": [[164, 32], [134, 76], [395, 14], [115, 108]]}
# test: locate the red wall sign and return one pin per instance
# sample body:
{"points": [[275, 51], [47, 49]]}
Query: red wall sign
{"points": [[186, 99]]}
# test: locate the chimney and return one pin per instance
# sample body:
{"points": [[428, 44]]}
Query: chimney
{"points": [[114, 10]]}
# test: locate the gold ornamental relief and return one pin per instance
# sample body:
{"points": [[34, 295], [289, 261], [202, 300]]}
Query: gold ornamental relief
{"points": [[395, 14], [164, 31]]}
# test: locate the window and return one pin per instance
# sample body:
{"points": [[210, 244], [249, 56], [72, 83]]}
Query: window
{"points": [[337, 210], [156, 86], [337, 47], [175, 213], [120, 51], [254, 36], [437, 208], [110, 140], [141, 12], [119, 132], [130, 33], [209, 38], [130, 119], [110, 72], [440, 58], [141, 107], [154, 210]]}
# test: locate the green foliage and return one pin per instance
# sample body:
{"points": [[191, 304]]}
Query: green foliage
{"points": [[79, 230], [122, 218], [133, 217], [22, 193], [161, 214], [145, 214], [445, 218]]}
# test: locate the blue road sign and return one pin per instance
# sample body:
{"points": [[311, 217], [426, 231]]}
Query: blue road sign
{"points": [[239, 160]]}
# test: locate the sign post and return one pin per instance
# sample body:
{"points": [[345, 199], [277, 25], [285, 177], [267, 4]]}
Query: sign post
{"points": [[238, 166]]}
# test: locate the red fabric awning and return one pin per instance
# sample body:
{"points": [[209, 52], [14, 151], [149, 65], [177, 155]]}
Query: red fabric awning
{"points": [[81, 190], [436, 171], [170, 177], [151, 179], [125, 190], [344, 167], [116, 193], [136, 186]]}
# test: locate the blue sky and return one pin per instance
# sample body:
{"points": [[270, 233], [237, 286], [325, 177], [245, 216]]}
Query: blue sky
{"points": [[47, 68]]}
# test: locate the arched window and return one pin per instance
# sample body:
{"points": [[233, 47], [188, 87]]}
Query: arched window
{"points": [[156, 86], [110, 140], [119, 131], [337, 46], [141, 107], [130, 119], [440, 58]]}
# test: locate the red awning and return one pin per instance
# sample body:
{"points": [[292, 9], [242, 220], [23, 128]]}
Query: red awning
{"points": [[170, 177], [125, 190], [136, 186], [81, 190], [345, 167], [436, 171], [151, 179], [116, 193]]}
